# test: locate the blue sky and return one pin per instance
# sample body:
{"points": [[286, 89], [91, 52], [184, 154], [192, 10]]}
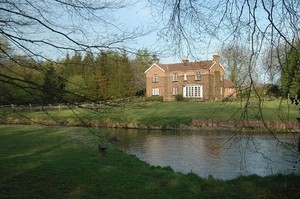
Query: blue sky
{"points": [[136, 15], [141, 15]]}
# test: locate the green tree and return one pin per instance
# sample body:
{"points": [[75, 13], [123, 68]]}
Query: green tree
{"points": [[139, 65], [89, 75], [21, 80], [53, 86], [120, 82], [235, 59], [62, 26], [101, 74], [76, 89], [76, 67], [290, 77]]}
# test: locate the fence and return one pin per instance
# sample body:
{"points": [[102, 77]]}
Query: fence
{"points": [[62, 106]]}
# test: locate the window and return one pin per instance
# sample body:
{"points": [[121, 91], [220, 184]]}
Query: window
{"points": [[175, 91], [198, 76], [184, 77], [155, 78], [155, 91], [175, 77], [193, 91]]}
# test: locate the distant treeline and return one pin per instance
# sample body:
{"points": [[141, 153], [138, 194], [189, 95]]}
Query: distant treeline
{"points": [[76, 78]]}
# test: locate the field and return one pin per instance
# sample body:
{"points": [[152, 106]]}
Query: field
{"points": [[156, 114], [63, 162]]}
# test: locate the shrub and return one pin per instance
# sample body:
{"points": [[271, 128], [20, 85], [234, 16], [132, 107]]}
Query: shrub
{"points": [[179, 98], [155, 98]]}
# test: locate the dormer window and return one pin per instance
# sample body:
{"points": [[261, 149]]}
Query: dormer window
{"points": [[155, 78], [198, 75], [175, 77]]}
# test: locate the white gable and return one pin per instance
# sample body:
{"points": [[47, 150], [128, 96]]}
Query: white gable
{"points": [[214, 63], [154, 65]]}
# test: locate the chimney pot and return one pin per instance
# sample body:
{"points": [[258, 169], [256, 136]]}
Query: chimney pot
{"points": [[185, 61], [216, 57]]}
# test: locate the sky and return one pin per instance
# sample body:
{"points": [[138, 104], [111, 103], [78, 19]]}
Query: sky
{"points": [[140, 14], [136, 15]]}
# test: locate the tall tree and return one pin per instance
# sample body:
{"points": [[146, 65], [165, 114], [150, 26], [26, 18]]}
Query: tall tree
{"points": [[272, 61], [141, 62], [53, 86], [76, 89], [45, 29], [290, 77], [235, 58], [120, 85], [89, 75]]}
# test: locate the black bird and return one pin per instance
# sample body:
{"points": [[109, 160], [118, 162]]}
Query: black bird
{"points": [[102, 148]]}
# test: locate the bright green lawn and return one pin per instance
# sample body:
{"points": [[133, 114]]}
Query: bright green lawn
{"points": [[167, 113], [63, 162]]}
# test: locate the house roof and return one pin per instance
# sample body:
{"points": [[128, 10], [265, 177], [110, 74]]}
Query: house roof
{"points": [[228, 83], [187, 66]]}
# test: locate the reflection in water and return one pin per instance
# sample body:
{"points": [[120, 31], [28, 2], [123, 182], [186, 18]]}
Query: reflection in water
{"points": [[219, 154]]}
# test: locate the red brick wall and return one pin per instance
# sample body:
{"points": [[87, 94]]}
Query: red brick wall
{"points": [[150, 84], [211, 81]]}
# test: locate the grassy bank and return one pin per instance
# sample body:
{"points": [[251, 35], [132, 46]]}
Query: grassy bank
{"points": [[57, 162], [156, 114]]}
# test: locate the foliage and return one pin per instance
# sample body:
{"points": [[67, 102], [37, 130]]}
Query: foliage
{"points": [[142, 61], [179, 98], [154, 98], [290, 77], [20, 81], [76, 78], [235, 59], [41, 30], [76, 89], [273, 90]]}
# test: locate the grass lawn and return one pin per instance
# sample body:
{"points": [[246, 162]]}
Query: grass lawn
{"points": [[63, 162], [171, 114]]}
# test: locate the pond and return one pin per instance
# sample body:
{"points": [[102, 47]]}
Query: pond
{"points": [[223, 155]]}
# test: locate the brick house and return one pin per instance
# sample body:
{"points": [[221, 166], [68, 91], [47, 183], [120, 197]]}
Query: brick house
{"points": [[196, 80]]}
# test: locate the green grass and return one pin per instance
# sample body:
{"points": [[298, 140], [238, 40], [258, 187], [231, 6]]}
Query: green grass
{"points": [[165, 114], [63, 162]]}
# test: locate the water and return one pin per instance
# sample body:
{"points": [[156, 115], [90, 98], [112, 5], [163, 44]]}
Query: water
{"points": [[223, 155]]}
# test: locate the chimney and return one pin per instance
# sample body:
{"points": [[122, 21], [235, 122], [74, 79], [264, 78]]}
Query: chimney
{"points": [[185, 61], [216, 57]]}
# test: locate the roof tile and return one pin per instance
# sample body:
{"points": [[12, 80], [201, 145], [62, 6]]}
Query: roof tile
{"points": [[228, 83], [187, 66]]}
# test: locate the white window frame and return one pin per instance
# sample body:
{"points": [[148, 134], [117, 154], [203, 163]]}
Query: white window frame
{"points": [[184, 77], [193, 91], [155, 91], [175, 77], [198, 75], [155, 78], [175, 91]]}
